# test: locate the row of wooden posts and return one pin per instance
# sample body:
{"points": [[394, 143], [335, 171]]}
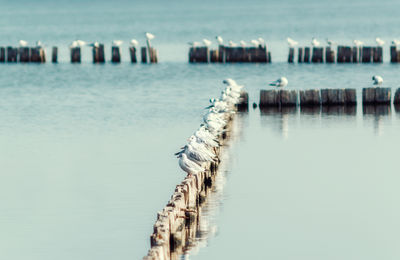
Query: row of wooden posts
{"points": [[38, 54], [316, 97], [226, 54]]}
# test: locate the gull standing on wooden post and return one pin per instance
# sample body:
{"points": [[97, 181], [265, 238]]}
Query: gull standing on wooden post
{"points": [[377, 80], [379, 41], [279, 83], [117, 43], [134, 43], [207, 43], [315, 42], [23, 43], [292, 43], [219, 40]]}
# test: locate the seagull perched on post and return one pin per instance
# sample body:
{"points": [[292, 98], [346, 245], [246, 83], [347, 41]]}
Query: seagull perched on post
{"points": [[379, 41], [134, 43], [150, 36], [207, 43], [23, 43], [291, 42], [219, 40], [117, 43], [378, 80], [358, 43], [315, 42], [330, 42], [242, 43], [255, 43], [232, 44], [94, 45], [396, 42], [279, 83], [39, 44], [261, 41], [194, 44]]}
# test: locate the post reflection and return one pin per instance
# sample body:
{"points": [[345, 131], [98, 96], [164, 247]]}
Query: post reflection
{"points": [[281, 117], [379, 114]]}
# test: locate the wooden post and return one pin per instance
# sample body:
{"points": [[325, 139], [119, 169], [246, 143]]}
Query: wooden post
{"points": [[12, 54], [198, 54], [300, 55], [340, 54], [396, 99], [288, 97], [307, 53], [393, 54], [42, 54], [243, 104], [144, 54], [291, 55], [54, 55], [154, 55], [269, 57], [221, 54], [376, 95], [24, 54], [310, 97], [214, 56], [333, 97], [2, 54], [366, 54], [351, 96], [269, 98], [317, 55], [377, 54], [76, 55], [355, 54], [329, 55], [115, 54], [132, 51], [347, 54]]}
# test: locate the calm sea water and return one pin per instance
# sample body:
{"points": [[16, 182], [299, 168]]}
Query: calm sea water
{"points": [[86, 152]]}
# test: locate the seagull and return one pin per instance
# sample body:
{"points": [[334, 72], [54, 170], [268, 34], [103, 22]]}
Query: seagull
{"points": [[39, 44], [279, 83], [117, 43], [255, 43], [232, 44], [23, 43], [94, 45], [358, 43], [261, 41], [207, 43], [315, 42], [291, 42], [194, 44], [378, 80], [396, 42], [219, 40], [330, 42], [242, 43], [80, 43], [379, 41], [149, 36], [134, 43], [189, 166]]}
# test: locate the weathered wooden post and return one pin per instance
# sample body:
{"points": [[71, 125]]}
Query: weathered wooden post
{"points": [[152, 52], [376, 95], [12, 54], [329, 55], [332, 97], [377, 54], [317, 55], [24, 54], [132, 51], [243, 104], [42, 54], [355, 54], [393, 54], [291, 55], [366, 54], [307, 54], [310, 97], [76, 55], [221, 54], [98, 54], [214, 56], [300, 55], [115, 54], [269, 98], [340, 54], [347, 54], [198, 54], [396, 99], [288, 97], [351, 96], [144, 54], [54, 55], [2, 54], [269, 57], [35, 55]]}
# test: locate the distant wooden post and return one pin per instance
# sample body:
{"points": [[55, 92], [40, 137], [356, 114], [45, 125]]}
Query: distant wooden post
{"points": [[300, 55], [132, 51], [393, 54], [54, 55], [355, 54], [269, 57], [310, 97], [221, 53], [115, 54], [340, 54], [307, 54], [269, 98], [11, 54], [2, 54], [144, 54], [288, 97], [317, 55], [35, 55], [396, 99], [98, 54], [376, 95], [366, 54], [24, 54], [291, 55], [377, 54], [214, 56], [76, 55], [42, 54], [152, 52], [329, 55], [347, 54]]}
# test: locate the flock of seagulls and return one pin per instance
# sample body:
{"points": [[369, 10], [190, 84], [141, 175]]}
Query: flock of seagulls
{"points": [[202, 145], [260, 42], [314, 42], [283, 81]]}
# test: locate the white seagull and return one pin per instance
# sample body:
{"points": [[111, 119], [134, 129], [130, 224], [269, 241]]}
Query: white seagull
{"points": [[207, 43], [315, 42], [255, 43], [396, 42], [94, 45], [330, 42], [80, 43], [189, 166], [232, 44], [219, 40], [23, 43], [261, 41], [242, 43], [379, 41], [149, 36], [378, 80], [117, 43], [39, 44], [358, 43], [134, 43], [279, 83], [291, 42], [194, 44]]}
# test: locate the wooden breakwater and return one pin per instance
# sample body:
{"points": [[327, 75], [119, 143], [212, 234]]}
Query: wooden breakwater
{"points": [[177, 223], [326, 97], [343, 54], [22, 54], [228, 54]]}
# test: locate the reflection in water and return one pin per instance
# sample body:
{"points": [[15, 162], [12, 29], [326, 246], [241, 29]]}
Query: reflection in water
{"points": [[378, 113], [204, 227], [397, 108], [310, 110], [339, 110], [282, 115]]}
